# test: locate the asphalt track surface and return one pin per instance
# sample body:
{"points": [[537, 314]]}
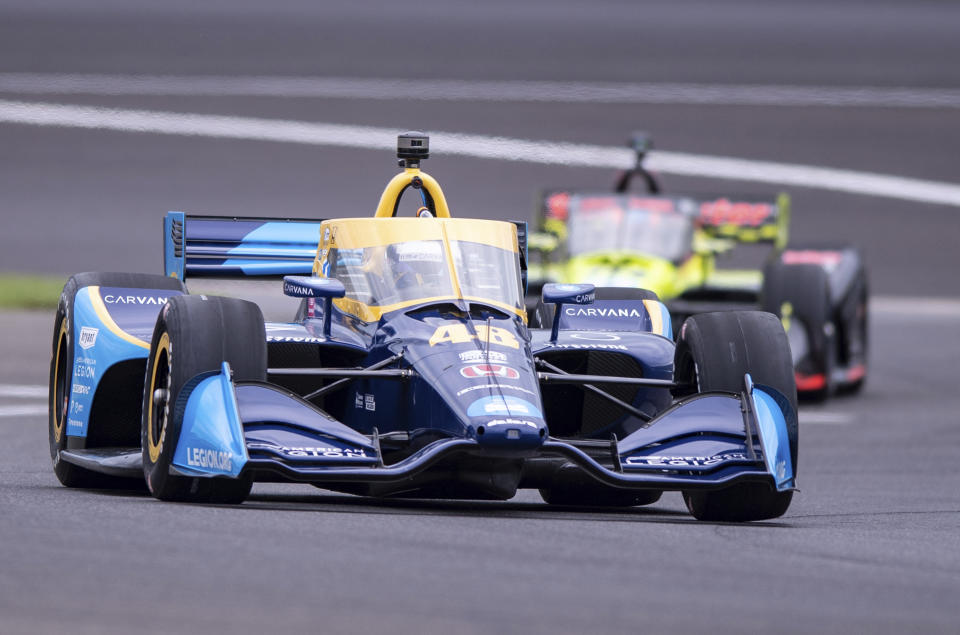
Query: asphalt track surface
{"points": [[871, 544]]}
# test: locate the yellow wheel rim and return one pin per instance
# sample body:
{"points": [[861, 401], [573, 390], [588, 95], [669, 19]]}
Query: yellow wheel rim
{"points": [[155, 437], [59, 405]]}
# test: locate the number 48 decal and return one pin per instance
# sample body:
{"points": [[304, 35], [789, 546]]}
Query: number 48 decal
{"points": [[458, 334]]}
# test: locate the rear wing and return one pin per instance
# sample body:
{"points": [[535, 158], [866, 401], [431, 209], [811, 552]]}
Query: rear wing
{"points": [[739, 218], [231, 246], [558, 204], [227, 246], [744, 219]]}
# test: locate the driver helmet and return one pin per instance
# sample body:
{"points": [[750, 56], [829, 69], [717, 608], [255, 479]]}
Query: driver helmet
{"points": [[416, 264]]}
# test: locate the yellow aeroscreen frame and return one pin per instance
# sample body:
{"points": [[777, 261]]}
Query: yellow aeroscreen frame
{"points": [[361, 233]]}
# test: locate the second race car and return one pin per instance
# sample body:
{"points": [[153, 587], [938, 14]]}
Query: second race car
{"points": [[675, 245]]}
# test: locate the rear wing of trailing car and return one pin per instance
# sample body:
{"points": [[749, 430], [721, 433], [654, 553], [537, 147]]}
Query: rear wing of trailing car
{"points": [[231, 246], [738, 218], [745, 219], [227, 246]]}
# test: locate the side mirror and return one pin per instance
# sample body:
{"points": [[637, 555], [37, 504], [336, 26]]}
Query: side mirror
{"points": [[310, 287], [560, 294]]}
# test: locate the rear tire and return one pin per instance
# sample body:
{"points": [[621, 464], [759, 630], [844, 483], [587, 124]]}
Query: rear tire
{"points": [[61, 372], [805, 288], [193, 335], [714, 352]]}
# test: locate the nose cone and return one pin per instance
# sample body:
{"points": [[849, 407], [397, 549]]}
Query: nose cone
{"points": [[507, 423], [511, 434]]}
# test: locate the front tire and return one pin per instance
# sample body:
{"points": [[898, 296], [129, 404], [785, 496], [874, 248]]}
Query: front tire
{"points": [[714, 352], [193, 335]]}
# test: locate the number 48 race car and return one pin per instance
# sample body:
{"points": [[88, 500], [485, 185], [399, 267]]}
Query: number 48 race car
{"points": [[409, 370]]}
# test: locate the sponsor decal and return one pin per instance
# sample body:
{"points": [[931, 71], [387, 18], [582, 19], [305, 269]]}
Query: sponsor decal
{"points": [[503, 405], [84, 371], [489, 370], [722, 211], [608, 347], [297, 290], [88, 337], [579, 311], [685, 461], [80, 389], [472, 357], [302, 291], [73, 423], [75, 407], [497, 387], [295, 340], [826, 259], [134, 299], [365, 402], [457, 333], [310, 451], [420, 251], [596, 337], [209, 459], [512, 422]]}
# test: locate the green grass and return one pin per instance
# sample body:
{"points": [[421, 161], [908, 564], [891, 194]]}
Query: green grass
{"points": [[18, 291]]}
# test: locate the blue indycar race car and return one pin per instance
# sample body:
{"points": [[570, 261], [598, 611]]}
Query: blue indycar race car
{"points": [[410, 370]]}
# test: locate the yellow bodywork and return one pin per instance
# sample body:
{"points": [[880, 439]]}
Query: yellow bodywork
{"points": [[383, 231], [396, 186]]}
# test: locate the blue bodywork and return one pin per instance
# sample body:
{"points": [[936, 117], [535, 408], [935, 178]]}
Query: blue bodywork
{"points": [[443, 392], [477, 399], [112, 325]]}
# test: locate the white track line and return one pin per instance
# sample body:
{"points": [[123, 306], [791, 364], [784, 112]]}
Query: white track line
{"points": [[497, 91], [500, 148], [911, 307], [27, 392], [22, 411], [824, 418]]}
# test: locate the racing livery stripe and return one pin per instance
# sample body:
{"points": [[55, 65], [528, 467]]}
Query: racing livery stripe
{"points": [[104, 315]]}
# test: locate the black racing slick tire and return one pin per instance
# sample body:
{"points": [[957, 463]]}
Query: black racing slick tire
{"points": [[62, 360], [193, 335], [800, 295], [713, 352]]}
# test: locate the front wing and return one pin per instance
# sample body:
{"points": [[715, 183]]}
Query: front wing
{"points": [[706, 441]]}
